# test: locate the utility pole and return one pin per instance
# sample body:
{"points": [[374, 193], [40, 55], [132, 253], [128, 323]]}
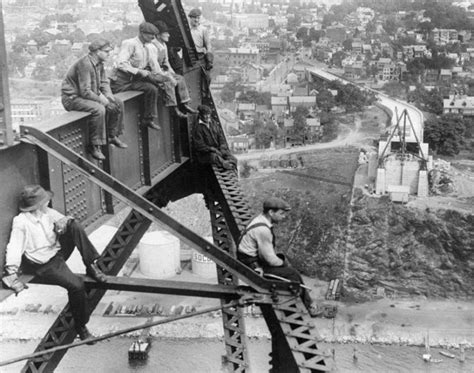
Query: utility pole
{"points": [[6, 131]]}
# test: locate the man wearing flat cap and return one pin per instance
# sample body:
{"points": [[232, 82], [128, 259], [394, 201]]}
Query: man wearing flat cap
{"points": [[136, 62], [173, 85], [41, 241], [200, 35], [256, 248], [202, 43], [209, 143], [86, 88]]}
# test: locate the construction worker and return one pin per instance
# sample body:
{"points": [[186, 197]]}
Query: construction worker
{"points": [[86, 88], [256, 249], [210, 145], [41, 241]]}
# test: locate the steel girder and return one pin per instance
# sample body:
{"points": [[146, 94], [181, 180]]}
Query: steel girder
{"points": [[232, 318]]}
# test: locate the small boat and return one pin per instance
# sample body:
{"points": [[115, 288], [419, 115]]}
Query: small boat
{"points": [[139, 350], [447, 354]]}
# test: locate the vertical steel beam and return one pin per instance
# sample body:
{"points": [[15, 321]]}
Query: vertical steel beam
{"points": [[6, 130], [232, 318]]}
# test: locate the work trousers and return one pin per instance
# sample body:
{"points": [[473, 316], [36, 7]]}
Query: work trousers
{"points": [[288, 272], [129, 82], [56, 271], [101, 119], [172, 91], [217, 158]]}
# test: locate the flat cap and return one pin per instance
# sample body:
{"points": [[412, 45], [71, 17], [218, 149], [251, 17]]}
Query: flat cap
{"points": [[162, 27], [204, 109], [100, 44], [196, 12], [274, 203], [148, 28]]}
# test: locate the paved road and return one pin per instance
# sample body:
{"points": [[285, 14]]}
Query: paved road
{"points": [[394, 105]]}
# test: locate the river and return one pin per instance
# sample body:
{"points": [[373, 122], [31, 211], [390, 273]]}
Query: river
{"points": [[204, 356]]}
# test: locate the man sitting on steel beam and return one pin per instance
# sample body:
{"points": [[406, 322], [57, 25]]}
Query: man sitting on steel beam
{"points": [[173, 85], [41, 241], [209, 143], [256, 249], [86, 88], [136, 62]]}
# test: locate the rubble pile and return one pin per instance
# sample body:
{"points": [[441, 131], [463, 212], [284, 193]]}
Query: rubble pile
{"points": [[440, 178]]}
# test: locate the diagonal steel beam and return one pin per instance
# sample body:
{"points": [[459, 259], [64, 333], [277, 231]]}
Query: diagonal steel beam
{"points": [[149, 210]]}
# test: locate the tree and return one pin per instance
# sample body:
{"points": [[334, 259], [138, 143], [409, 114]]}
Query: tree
{"points": [[325, 100], [299, 122], [391, 25], [347, 44], [431, 101], [445, 134], [302, 33], [265, 134], [43, 70], [329, 125]]}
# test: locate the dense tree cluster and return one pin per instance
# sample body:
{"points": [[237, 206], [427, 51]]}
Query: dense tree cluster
{"points": [[430, 101], [445, 134]]}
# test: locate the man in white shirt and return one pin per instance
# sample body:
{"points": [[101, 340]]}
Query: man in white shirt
{"points": [[136, 62], [41, 241], [199, 33], [256, 248], [173, 85]]}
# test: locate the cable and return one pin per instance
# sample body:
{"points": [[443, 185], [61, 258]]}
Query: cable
{"points": [[114, 334]]}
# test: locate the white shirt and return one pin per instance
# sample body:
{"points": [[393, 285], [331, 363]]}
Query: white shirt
{"points": [[259, 241], [135, 55], [32, 235], [201, 39]]}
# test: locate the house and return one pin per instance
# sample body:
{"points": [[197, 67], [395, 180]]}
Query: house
{"points": [[463, 105], [239, 144], [314, 128], [32, 47], [246, 110], [305, 101], [419, 51], [279, 104], [79, 48], [357, 47], [386, 49], [238, 56], [355, 70], [444, 36], [445, 76], [389, 70], [63, 45], [431, 75]]}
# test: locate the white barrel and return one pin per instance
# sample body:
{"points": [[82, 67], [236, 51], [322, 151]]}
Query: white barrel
{"points": [[202, 265], [158, 253]]}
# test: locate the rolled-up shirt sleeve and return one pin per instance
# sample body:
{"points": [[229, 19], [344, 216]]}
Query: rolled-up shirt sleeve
{"points": [[15, 247]]}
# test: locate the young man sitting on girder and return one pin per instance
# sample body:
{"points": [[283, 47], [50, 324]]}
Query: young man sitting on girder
{"points": [[41, 241], [210, 145], [256, 249]]}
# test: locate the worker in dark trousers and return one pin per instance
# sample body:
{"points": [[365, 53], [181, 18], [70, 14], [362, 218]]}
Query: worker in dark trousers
{"points": [[41, 241], [210, 145], [256, 249]]}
